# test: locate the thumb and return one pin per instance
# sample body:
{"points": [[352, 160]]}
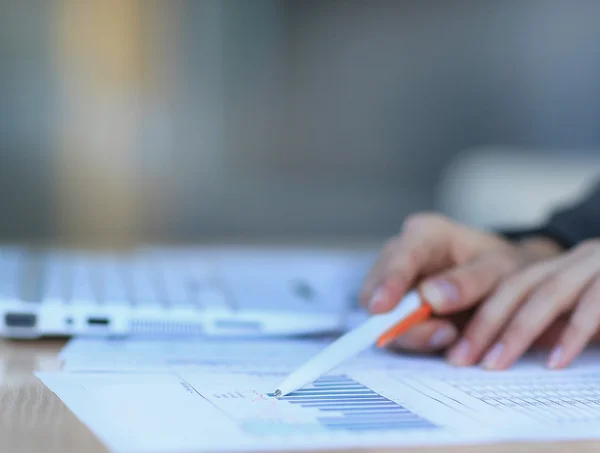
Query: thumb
{"points": [[463, 286]]}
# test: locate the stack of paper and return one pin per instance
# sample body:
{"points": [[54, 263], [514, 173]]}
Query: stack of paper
{"points": [[216, 395]]}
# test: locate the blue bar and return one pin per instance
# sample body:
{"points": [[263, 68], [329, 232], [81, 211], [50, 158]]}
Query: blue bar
{"points": [[352, 399], [339, 392], [345, 407], [386, 410], [334, 392], [383, 411], [379, 426], [379, 408], [369, 410], [395, 423], [365, 408], [325, 397], [371, 403], [375, 427], [337, 388], [353, 388], [358, 404], [319, 385], [348, 403], [323, 388], [396, 418], [326, 383], [334, 401]]}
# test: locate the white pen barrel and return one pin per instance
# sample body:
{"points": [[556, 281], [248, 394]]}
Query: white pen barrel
{"points": [[351, 344]]}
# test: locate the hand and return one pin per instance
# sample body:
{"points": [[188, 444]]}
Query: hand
{"points": [[454, 267], [526, 304]]}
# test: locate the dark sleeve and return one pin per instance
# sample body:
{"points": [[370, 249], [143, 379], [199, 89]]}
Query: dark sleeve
{"points": [[569, 225]]}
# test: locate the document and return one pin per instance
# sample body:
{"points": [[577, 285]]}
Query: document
{"points": [[219, 398], [224, 354], [188, 411]]}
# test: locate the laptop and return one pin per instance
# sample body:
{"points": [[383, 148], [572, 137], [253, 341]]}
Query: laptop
{"points": [[175, 291]]}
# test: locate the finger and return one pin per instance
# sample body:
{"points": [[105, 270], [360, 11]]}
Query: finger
{"points": [[582, 328], [495, 312], [463, 286], [552, 298], [555, 332], [418, 251], [429, 336], [375, 275], [552, 334]]}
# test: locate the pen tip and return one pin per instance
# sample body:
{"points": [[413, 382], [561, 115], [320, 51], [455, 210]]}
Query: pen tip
{"points": [[277, 393]]}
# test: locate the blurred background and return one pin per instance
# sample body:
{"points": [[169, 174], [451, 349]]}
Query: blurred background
{"points": [[183, 120]]}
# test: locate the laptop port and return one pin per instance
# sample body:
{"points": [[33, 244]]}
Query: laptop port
{"points": [[20, 319], [231, 324], [98, 321]]}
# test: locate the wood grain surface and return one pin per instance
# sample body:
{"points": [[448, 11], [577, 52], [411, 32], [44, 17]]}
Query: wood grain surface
{"points": [[33, 419]]}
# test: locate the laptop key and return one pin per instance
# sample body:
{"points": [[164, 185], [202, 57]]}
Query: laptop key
{"points": [[82, 291], [176, 291], [212, 298], [113, 283], [143, 279], [11, 266], [55, 279]]}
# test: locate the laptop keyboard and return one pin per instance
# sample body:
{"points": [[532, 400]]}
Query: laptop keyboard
{"points": [[99, 279], [11, 265], [157, 278]]}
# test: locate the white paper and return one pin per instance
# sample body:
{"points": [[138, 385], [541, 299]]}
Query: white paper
{"points": [[96, 354], [219, 399], [211, 412], [219, 354], [192, 411]]}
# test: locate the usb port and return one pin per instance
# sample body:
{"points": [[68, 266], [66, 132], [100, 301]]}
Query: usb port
{"points": [[20, 319], [98, 321]]}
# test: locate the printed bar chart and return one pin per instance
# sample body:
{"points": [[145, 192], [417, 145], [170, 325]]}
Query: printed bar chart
{"points": [[345, 404]]}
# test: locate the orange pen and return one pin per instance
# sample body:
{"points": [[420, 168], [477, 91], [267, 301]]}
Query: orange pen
{"points": [[379, 329], [416, 317]]}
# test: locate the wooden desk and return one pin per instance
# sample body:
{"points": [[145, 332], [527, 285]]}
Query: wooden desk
{"points": [[33, 419]]}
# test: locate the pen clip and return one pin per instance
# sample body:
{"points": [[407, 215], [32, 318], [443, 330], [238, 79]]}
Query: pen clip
{"points": [[416, 317]]}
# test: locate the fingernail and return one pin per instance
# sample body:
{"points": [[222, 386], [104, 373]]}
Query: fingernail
{"points": [[439, 293], [555, 356], [378, 302], [459, 356], [442, 337], [490, 361]]}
